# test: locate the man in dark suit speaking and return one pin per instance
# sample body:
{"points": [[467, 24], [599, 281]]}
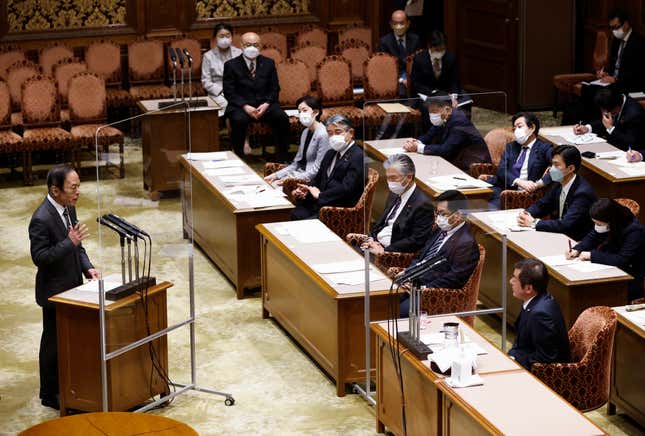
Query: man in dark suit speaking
{"points": [[250, 84], [56, 250], [540, 333]]}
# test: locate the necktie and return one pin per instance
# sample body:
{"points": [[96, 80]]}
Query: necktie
{"points": [[436, 66], [395, 207], [68, 223], [563, 197], [434, 248], [252, 69], [618, 58], [302, 163], [333, 164], [401, 48], [517, 166]]}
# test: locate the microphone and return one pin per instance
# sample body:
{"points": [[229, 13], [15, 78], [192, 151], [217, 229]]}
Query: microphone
{"points": [[125, 228], [126, 223], [112, 227], [426, 264], [180, 57], [173, 56], [188, 57]]}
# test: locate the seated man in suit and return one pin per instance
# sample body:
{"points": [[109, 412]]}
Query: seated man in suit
{"points": [[540, 332], [251, 87], [622, 122], [340, 180], [408, 217], [451, 239], [452, 135], [400, 43], [567, 203], [524, 160]]}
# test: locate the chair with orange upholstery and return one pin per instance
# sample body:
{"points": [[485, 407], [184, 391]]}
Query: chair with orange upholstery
{"points": [[49, 56], [385, 260], [272, 52], [10, 142], [294, 83], [88, 111], [269, 36], [63, 70], [357, 32], [567, 84], [496, 141], [194, 47], [9, 55], [16, 76], [41, 118], [629, 204], [335, 87], [345, 220], [356, 52], [146, 70], [104, 58], [311, 55], [584, 382], [409, 61], [314, 35]]}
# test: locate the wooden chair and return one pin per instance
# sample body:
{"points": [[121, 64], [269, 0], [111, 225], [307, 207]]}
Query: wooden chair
{"points": [[64, 70], [313, 35], [49, 56], [294, 83], [496, 141], [409, 61], [88, 112], [275, 39], [345, 220], [16, 76], [386, 260], [357, 32], [335, 88], [194, 47], [311, 56], [104, 58], [146, 70], [584, 382], [272, 52], [9, 55], [10, 142], [356, 52]]}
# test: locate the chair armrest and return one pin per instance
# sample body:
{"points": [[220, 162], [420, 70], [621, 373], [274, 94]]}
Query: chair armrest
{"points": [[509, 199], [393, 259], [355, 239], [342, 220], [288, 186], [565, 82], [392, 272], [477, 169], [272, 167]]}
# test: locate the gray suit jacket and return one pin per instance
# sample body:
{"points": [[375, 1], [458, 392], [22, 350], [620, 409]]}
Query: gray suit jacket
{"points": [[315, 152]]}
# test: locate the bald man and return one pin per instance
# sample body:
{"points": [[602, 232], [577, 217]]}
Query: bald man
{"points": [[251, 87], [400, 43]]}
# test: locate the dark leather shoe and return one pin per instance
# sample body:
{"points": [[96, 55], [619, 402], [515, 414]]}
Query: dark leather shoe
{"points": [[51, 402]]}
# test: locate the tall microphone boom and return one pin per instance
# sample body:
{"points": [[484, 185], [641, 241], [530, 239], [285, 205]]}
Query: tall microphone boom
{"points": [[122, 220], [112, 227], [420, 268], [124, 227], [173, 56], [180, 57], [188, 57]]}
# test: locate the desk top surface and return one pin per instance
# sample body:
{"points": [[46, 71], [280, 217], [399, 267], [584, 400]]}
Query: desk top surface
{"points": [[546, 246], [540, 411], [616, 170], [434, 173], [635, 320], [234, 182], [325, 257], [152, 106]]}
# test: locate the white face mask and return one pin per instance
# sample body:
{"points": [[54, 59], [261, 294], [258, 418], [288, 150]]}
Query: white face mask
{"points": [[436, 119], [437, 54], [601, 229], [397, 188], [306, 118], [521, 135], [251, 52], [224, 43], [337, 142], [618, 33], [442, 223]]}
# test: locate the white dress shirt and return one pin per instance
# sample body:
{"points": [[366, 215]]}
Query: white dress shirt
{"points": [[526, 303], [449, 234], [60, 209], [385, 235]]}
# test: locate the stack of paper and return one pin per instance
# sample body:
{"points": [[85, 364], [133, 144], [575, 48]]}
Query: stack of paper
{"points": [[392, 151], [211, 165], [213, 155], [456, 181], [337, 267], [587, 138], [588, 267], [558, 260], [354, 277], [219, 172], [309, 232], [245, 179]]}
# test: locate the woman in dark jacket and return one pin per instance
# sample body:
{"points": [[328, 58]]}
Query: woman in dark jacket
{"points": [[618, 239]]}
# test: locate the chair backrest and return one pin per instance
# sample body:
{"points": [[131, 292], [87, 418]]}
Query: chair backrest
{"points": [[294, 81], [195, 49], [16, 75], [356, 52], [356, 32], [237, 40], [381, 77], [104, 58], [312, 34], [472, 285], [8, 57], [272, 52], [409, 62], [87, 98], [49, 56], [601, 50], [63, 71], [5, 105], [367, 198], [629, 204], [335, 80], [39, 102], [275, 39], [146, 61], [311, 55], [496, 141]]}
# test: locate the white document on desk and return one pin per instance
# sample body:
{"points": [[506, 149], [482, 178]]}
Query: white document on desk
{"points": [[597, 82], [586, 138], [339, 267], [637, 317], [291, 112], [246, 179], [634, 171], [392, 151], [589, 267], [213, 155], [213, 165], [311, 232], [93, 286], [558, 260], [354, 277], [456, 181], [219, 172]]}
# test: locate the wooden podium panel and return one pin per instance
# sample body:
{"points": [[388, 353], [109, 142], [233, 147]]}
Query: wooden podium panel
{"points": [[79, 353]]}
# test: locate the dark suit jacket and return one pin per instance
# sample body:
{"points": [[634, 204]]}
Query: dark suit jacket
{"points": [[344, 186], [575, 221], [626, 254], [462, 253], [457, 141], [631, 76], [423, 79], [539, 161], [239, 89], [60, 263], [540, 333], [629, 128], [413, 225], [389, 44]]}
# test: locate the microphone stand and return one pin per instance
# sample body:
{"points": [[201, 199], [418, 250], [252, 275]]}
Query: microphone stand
{"points": [[189, 58], [180, 56], [173, 58]]}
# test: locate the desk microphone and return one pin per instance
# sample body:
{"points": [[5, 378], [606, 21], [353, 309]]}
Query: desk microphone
{"points": [[188, 57], [173, 56], [124, 222], [112, 227], [180, 56]]}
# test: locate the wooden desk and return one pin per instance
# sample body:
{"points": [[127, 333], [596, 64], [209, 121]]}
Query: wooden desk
{"points": [[608, 180], [224, 227], [164, 139], [79, 353], [627, 388], [325, 318], [575, 291], [510, 402], [426, 167]]}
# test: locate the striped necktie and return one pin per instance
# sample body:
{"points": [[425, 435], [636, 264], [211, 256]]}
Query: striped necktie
{"points": [[436, 246], [252, 69]]}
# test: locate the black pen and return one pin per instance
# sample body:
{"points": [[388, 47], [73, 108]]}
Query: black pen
{"points": [[458, 178]]}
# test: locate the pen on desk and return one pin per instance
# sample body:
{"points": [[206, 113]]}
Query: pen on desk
{"points": [[458, 178], [569, 241]]}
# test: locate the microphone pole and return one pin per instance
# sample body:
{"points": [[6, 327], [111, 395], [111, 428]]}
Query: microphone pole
{"points": [[127, 228], [180, 56], [189, 58], [173, 59], [122, 237]]}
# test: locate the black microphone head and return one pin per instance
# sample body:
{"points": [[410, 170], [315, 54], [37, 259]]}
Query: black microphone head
{"points": [[171, 53], [188, 56], [180, 56]]}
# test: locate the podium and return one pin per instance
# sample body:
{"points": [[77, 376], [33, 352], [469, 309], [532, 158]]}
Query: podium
{"points": [[131, 379]]}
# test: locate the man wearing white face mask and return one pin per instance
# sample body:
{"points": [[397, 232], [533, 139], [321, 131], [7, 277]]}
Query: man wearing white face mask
{"points": [[340, 180], [567, 203], [408, 217], [251, 88], [221, 51]]}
